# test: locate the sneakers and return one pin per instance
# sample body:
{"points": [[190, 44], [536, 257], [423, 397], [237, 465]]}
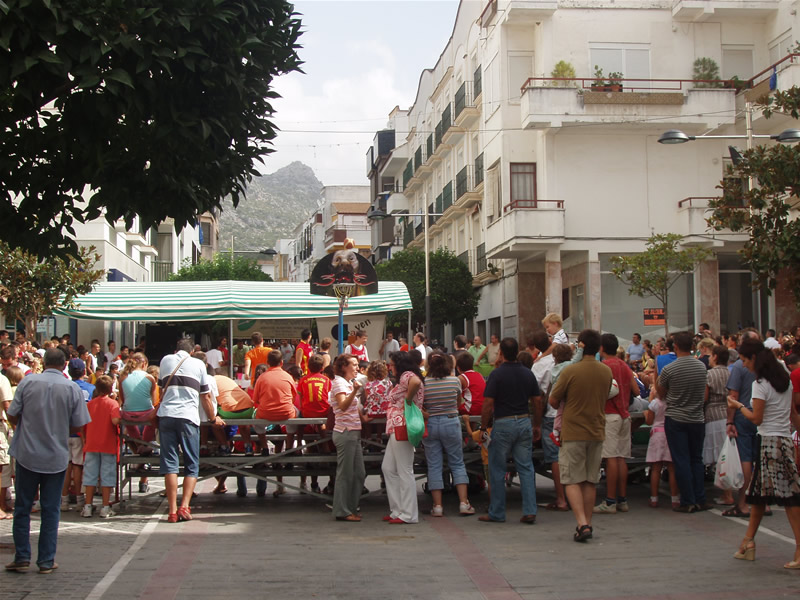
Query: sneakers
{"points": [[106, 512], [605, 509], [465, 508], [437, 511], [64, 503], [37, 506], [622, 506], [143, 487], [87, 511]]}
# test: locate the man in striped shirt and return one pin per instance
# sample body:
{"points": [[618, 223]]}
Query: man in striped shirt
{"points": [[682, 385], [184, 386]]}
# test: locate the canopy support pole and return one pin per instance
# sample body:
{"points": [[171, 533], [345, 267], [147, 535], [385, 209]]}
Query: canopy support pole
{"points": [[410, 338], [341, 325], [230, 349]]}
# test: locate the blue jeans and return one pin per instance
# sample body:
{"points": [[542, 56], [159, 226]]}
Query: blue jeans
{"points": [[685, 442], [746, 442], [512, 436], [444, 436], [49, 486], [174, 433], [241, 486]]}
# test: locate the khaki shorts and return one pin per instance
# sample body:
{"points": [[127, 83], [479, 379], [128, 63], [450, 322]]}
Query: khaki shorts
{"points": [[75, 446], [618, 437], [5, 476], [580, 461]]}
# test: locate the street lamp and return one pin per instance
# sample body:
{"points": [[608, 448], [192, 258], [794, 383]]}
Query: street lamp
{"points": [[676, 136], [377, 214]]}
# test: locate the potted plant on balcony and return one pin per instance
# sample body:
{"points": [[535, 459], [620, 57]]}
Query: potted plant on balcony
{"points": [[737, 84], [614, 82], [599, 83], [565, 70], [706, 73]]}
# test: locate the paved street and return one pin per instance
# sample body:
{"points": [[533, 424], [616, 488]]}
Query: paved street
{"points": [[291, 547]]}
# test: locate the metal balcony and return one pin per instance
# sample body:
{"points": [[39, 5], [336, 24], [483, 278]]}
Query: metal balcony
{"points": [[526, 226]]}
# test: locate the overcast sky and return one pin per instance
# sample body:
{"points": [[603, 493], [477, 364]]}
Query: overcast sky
{"points": [[362, 58]]}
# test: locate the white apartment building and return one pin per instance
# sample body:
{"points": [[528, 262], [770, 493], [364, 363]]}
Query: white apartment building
{"points": [[342, 214], [541, 181]]}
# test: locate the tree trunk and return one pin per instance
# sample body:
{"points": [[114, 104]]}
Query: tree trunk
{"points": [[666, 317]]}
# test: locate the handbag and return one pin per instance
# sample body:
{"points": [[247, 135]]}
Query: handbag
{"points": [[415, 423], [401, 433], [729, 474]]}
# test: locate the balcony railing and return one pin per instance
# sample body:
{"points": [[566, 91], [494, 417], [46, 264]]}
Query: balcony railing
{"points": [[479, 169], [630, 84], [696, 201], [435, 208], [447, 196], [408, 234], [532, 204], [447, 118], [429, 147], [438, 134], [408, 173], [417, 159], [464, 257], [464, 180], [463, 98], [477, 82], [162, 270], [480, 258]]}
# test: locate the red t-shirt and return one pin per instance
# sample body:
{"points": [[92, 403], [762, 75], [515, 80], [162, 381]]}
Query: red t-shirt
{"points": [[313, 390], [473, 395], [796, 383], [359, 353], [307, 351], [618, 405], [101, 434]]}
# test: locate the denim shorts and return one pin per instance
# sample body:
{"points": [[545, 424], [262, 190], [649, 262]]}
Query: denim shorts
{"points": [[181, 433], [746, 438], [100, 465], [548, 445]]}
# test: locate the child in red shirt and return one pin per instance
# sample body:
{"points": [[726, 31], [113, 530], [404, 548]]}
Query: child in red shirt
{"points": [[101, 447], [313, 390]]}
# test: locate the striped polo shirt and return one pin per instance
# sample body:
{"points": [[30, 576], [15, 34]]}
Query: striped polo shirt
{"points": [[685, 379], [441, 396], [181, 399]]}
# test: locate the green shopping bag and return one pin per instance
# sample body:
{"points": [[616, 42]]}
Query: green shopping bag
{"points": [[415, 423]]}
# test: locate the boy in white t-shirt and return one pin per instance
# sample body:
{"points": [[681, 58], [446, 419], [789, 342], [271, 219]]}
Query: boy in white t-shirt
{"points": [[359, 347], [553, 324]]}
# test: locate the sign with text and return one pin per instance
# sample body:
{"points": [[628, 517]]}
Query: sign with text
{"points": [[654, 316]]}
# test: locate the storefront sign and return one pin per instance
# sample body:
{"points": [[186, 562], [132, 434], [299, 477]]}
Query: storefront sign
{"points": [[654, 316]]}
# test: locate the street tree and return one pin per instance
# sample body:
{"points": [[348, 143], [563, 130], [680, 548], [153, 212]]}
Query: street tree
{"points": [[654, 271], [452, 296], [766, 212], [222, 268], [123, 109], [31, 288]]}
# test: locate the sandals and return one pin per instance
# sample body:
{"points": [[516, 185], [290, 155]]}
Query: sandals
{"points": [[352, 518], [222, 490], [794, 563], [554, 506], [747, 550], [736, 512], [583, 533], [184, 513]]}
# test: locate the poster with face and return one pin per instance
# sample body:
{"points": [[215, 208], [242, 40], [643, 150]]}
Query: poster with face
{"points": [[344, 266]]}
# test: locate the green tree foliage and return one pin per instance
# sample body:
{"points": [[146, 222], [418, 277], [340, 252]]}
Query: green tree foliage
{"points": [[654, 271], [122, 109], [222, 268], [452, 295], [767, 212], [31, 288]]}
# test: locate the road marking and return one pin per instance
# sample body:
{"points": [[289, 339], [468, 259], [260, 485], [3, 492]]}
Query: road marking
{"points": [[102, 586], [489, 581], [94, 527], [761, 528]]}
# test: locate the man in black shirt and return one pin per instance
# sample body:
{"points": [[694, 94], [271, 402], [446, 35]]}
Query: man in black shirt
{"points": [[507, 399]]}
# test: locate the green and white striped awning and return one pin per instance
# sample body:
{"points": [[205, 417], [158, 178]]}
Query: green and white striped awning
{"points": [[198, 300]]}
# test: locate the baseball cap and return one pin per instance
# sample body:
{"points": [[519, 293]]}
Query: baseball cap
{"points": [[76, 364]]}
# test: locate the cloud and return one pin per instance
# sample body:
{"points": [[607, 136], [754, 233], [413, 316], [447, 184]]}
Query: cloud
{"points": [[340, 103]]}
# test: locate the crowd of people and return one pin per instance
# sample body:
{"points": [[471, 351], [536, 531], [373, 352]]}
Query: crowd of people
{"points": [[581, 401]]}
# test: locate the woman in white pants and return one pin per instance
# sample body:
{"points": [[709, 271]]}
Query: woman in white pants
{"points": [[398, 460]]}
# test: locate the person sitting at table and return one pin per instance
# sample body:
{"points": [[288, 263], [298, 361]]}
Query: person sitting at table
{"points": [[261, 432], [274, 399], [313, 390], [138, 396]]}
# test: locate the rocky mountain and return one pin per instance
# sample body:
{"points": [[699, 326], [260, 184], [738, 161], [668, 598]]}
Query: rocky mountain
{"points": [[275, 204]]}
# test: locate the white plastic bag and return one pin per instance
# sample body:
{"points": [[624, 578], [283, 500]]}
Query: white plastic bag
{"points": [[729, 474]]}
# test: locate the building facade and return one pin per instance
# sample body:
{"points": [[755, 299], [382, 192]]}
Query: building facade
{"points": [[542, 173]]}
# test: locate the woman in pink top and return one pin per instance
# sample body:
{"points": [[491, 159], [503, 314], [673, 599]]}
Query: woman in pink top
{"points": [[398, 461], [350, 473]]}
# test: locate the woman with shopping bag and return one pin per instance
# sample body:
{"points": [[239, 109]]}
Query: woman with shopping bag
{"points": [[775, 478]]}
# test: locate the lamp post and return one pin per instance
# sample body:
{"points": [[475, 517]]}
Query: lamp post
{"points": [[378, 215]]}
